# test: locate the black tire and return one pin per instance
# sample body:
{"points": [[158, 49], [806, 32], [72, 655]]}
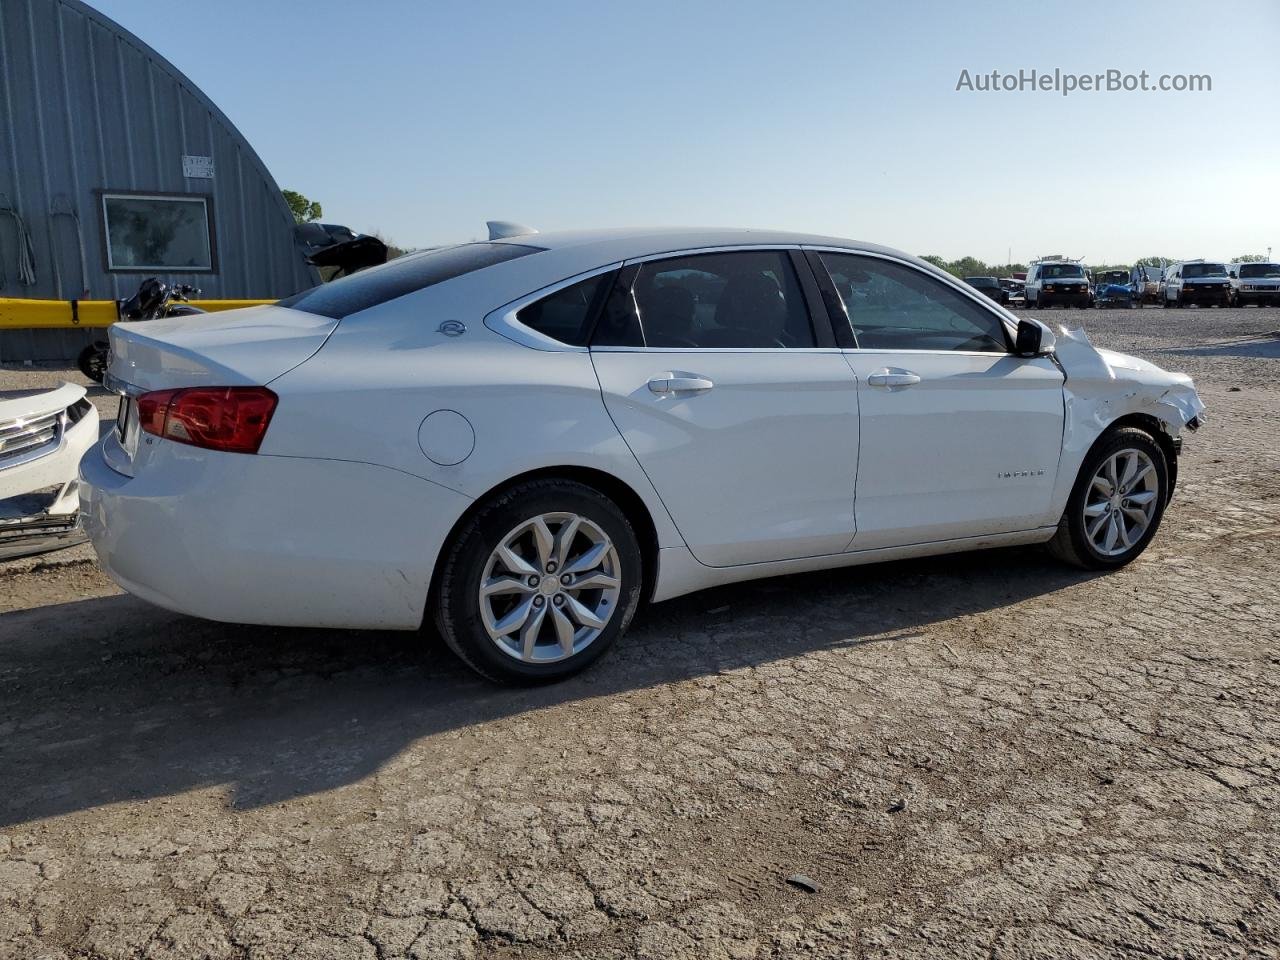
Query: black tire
{"points": [[1071, 543], [92, 360], [457, 605]]}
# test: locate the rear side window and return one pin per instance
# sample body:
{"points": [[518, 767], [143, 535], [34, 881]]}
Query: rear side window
{"points": [[405, 275], [732, 300], [567, 314]]}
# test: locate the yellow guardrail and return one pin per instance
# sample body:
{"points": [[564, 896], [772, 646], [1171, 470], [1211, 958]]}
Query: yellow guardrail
{"points": [[18, 314]]}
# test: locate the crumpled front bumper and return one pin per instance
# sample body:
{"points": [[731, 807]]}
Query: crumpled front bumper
{"points": [[39, 497]]}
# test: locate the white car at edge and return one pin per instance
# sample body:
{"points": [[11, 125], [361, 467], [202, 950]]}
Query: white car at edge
{"points": [[43, 435], [525, 438]]}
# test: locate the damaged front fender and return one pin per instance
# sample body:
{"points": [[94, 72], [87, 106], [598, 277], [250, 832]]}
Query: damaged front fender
{"points": [[1102, 387]]}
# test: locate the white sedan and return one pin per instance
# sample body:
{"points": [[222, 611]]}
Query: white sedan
{"points": [[523, 439]]}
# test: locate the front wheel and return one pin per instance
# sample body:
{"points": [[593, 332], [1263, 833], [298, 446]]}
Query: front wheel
{"points": [[539, 583], [1116, 504]]}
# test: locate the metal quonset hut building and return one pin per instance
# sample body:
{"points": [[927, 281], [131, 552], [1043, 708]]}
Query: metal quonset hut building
{"points": [[115, 167]]}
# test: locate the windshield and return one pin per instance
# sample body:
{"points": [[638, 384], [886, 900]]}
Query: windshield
{"points": [[1115, 276], [1192, 270], [981, 281], [1255, 270], [1057, 271]]}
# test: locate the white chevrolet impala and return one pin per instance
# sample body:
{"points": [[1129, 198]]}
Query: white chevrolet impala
{"points": [[523, 439]]}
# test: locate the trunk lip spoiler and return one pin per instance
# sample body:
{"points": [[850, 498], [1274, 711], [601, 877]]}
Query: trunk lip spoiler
{"points": [[116, 385]]}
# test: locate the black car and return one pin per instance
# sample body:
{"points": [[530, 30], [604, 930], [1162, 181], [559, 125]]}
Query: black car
{"points": [[990, 286]]}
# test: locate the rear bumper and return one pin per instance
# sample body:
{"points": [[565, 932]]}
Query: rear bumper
{"points": [[285, 541]]}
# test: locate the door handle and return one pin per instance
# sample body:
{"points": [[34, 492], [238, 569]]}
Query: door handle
{"points": [[670, 383], [893, 378]]}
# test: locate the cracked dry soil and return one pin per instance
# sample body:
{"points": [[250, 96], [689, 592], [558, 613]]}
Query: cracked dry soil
{"points": [[980, 755]]}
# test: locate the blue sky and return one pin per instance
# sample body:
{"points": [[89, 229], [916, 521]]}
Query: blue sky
{"points": [[422, 120]]}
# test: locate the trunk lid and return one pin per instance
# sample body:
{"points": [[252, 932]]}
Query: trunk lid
{"points": [[250, 346]]}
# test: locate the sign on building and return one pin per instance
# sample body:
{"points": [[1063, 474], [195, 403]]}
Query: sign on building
{"points": [[197, 167]]}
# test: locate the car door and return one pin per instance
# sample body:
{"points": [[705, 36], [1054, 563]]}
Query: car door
{"points": [[738, 406], [959, 437]]}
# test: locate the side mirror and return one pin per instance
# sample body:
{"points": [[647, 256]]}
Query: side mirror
{"points": [[1033, 339]]}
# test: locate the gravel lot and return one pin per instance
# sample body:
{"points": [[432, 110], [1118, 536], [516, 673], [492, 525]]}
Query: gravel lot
{"points": [[983, 755]]}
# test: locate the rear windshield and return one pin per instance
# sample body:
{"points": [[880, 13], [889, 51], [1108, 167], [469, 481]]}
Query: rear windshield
{"points": [[981, 281], [1255, 270], [1203, 270], [1053, 271], [406, 274]]}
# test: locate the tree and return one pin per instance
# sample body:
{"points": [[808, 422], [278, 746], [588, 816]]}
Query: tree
{"points": [[1249, 258], [304, 210], [1153, 261]]}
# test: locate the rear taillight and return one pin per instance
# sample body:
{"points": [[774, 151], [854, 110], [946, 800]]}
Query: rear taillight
{"points": [[233, 419]]}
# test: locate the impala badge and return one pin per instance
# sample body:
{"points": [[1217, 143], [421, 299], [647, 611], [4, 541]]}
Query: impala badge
{"points": [[1017, 474]]}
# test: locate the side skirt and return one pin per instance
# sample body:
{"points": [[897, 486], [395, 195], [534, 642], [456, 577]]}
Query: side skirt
{"points": [[679, 573]]}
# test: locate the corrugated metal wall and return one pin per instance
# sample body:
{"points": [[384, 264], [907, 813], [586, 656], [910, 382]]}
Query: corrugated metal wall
{"points": [[86, 106]]}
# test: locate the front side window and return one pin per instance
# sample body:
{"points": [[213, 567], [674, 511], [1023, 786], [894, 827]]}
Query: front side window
{"points": [[404, 275], [895, 307], [156, 232], [747, 299]]}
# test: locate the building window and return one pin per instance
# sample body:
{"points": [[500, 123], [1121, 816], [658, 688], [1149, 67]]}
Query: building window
{"points": [[158, 232]]}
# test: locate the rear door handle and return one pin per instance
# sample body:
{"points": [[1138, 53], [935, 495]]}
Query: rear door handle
{"points": [[670, 383], [893, 378]]}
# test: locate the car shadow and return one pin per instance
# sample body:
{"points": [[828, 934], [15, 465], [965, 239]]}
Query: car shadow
{"points": [[108, 700], [1265, 347]]}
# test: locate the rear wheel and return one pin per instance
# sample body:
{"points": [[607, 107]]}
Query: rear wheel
{"points": [[1117, 502], [539, 583]]}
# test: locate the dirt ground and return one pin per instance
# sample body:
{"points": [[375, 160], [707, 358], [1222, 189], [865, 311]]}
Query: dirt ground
{"points": [[986, 755]]}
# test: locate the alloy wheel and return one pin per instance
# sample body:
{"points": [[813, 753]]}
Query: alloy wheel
{"points": [[1121, 502], [550, 588]]}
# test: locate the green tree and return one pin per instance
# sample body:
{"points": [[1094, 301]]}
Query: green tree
{"points": [[304, 210], [1153, 261], [1249, 258]]}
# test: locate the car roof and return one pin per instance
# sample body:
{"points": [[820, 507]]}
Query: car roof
{"points": [[626, 243]]}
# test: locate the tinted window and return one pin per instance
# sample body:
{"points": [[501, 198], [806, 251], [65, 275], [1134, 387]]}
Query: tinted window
{"points": [[895, 307], [1203, 270], [744, 299], [1254, 270], [416, 271], [619, 326], [566, 315]]}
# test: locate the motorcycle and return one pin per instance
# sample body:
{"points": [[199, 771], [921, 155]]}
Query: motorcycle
{"points": [[152, 301]]}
